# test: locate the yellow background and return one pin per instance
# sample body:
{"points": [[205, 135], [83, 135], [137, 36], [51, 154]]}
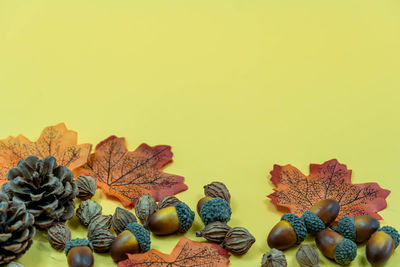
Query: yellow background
{"points": [[233, 86]]}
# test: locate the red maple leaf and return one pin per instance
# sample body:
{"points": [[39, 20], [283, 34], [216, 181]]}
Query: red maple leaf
{"points": [[297, 192], [187, 253], [55, 141], [127, 175]]}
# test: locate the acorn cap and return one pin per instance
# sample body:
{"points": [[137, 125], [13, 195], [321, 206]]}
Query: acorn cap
{"points": [[392, 232], [215, 209], [313, 223], [297, 224], [77, 242], [346, 227], [185, 216], [345, 252], [141, 234]]}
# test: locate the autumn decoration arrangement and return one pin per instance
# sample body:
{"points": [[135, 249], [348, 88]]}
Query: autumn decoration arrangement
{"points": [[316, 202], [40, 181]]}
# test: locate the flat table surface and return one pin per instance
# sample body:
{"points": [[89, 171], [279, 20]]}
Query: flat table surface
{"points": [[233, 86]]}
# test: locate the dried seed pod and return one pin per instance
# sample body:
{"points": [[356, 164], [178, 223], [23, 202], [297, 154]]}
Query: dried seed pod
{"points": [[145, 206], [101, 239], [87, 187], [87, 210], [167, 202], [307, 256], [79, 253], [381, 245], [290, 230], [357, 229], [321, 215], [121, 219], [217, 189], [100, 222], [59, 235], [238, 240], [274, 258], [214, 232], [336, 247]]}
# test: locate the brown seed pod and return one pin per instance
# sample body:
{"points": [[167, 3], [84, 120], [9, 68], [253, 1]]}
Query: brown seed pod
{"points": [[238, 240], [121, 219], [145, 206], [87, 187], [167, 201], [87, 210], [217, 189], [100, 222], [214, 232], [101, 239], [274, 258], [59, 235], [307, 256]]}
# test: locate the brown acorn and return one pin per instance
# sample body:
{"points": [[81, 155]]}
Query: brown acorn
{"points": [[334, 246], [135, 239], [201, 202], [79, 253], [178, 218], [357, 229], [381, 245], [321, 215], [290, 230]]}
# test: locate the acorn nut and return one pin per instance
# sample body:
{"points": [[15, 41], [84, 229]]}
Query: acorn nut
{"points": [[357, 229], [334, 246], [214, 232], [381, 245], [79, 253], [214, 209], [178, 218], [238, 241], [135, 239], [321, 215], [289, 231]]}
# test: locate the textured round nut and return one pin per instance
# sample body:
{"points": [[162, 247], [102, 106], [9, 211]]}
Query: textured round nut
{"points": [[217, 189], [167, 202], [59, 235], [214, 232], [87, 187], [307, 256], [100, 222], [87, 210], [101, 239], [238, 240], [121, 219], [145, 206], [274, 258]]}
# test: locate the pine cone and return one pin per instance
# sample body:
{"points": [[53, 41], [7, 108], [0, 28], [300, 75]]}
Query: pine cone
{"points": [[48, 190], [16, 229]]}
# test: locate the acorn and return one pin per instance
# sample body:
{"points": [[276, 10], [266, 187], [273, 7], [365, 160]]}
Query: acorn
{"points": [[357, 229], [79, 253], [334, 246], [321, 215], [382, 244], [289, 231], [134, 239], [168, 220], [214, 209]]}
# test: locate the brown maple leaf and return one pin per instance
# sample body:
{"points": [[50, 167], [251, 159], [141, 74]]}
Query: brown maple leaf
{"points": [[297, 192], [55, 141], [127, 175], [187, 253]]}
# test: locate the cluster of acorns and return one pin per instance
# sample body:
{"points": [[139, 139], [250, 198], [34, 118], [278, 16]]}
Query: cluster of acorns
{"points": [[337, 242], [215, 211]]}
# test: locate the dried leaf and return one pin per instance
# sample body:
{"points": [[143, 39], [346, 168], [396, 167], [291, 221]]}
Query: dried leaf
{"points": [[297, 192], [55, 141], [127, 175], [187, 253]]}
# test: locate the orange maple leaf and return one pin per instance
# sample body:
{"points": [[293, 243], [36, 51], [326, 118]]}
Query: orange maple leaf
{"points": [[297, 192], [187, 253], [55, 141], [127, 175]]}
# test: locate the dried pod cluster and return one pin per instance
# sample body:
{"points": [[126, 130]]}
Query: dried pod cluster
{"points": [[215, 211]]}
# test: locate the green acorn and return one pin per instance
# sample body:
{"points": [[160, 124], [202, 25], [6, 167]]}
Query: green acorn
{"points": [[334, 246], [215, 209], [287, 233], [357, 229]]}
